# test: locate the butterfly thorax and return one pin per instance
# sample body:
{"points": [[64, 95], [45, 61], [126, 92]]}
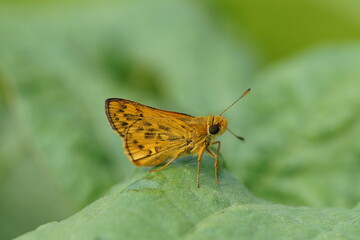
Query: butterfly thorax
{"points": [[205, 129]]}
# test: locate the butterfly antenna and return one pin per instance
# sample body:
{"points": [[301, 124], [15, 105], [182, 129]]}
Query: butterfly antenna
{"points": [[243, 95], [238, 137]]}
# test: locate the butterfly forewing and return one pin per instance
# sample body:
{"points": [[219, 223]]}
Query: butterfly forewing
{"points": [[150, 135], [121, 114]]}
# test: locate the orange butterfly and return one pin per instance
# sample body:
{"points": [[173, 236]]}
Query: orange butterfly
{"points": [[151, 136]]}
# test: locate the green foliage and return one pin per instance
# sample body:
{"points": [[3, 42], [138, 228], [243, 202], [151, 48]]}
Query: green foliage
{"points": [[59, 61], [280, 27], [302, 123], [168, 205]]}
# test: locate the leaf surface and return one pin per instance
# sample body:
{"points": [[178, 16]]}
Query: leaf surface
{"points": [[168, 205]]}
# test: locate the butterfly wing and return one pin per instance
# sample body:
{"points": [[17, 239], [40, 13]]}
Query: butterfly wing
{"points": [[152, 145], [150, 135]]}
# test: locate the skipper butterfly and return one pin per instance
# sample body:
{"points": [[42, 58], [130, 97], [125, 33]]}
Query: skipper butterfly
{"points": [[151, 136]]}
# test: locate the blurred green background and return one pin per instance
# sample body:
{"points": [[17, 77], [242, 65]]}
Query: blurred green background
{"points": [[59, 61]]}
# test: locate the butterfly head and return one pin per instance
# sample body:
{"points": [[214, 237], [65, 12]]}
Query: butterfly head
{"points": [[217, 126]]}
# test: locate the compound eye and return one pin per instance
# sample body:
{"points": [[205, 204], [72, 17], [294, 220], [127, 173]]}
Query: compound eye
{"points": [[214, 129]]}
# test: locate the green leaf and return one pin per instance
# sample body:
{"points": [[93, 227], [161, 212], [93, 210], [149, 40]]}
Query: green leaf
{"points": [[168, 205], [302, 128]]}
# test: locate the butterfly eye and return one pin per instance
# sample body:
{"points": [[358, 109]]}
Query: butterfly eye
{"points": [[214, 129]]}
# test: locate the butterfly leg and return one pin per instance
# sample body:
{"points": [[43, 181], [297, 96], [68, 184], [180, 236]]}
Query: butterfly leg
{"points": [[198, 170], [167, 164], [216, 156]]}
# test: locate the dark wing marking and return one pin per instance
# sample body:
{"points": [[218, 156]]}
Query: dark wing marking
{"points": [[153, 140]]}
